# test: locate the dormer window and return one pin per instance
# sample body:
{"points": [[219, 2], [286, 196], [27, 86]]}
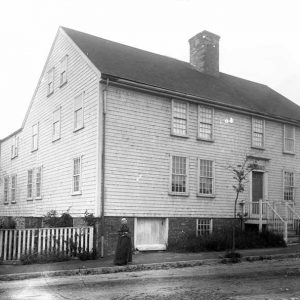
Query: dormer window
{"points": [[63, 70]]}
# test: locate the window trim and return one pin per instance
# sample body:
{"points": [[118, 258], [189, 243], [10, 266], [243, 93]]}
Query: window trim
{"points": [[263, 134], [61, 84], [212, 123], [213, 195], [186, 193], [50, 80], [6, 201], [15, 147], [35, 182], [79, 192], [74, 111], [172, 118], [284, 138], [210, 225], [27, 184], [13, 201], [283, 183], [53, 122], [37, 137]]}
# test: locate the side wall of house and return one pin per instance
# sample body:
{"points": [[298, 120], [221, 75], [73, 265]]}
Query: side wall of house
{"points": [[56, 157], [139, 146]]}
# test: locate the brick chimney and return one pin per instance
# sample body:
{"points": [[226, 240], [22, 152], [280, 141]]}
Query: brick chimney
{"points": [[204, 52]]}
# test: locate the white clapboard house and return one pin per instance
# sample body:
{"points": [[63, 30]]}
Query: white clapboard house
{"points": [[122, 132]]}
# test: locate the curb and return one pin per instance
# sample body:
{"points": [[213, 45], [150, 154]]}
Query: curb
{"points": [[142, 267]]}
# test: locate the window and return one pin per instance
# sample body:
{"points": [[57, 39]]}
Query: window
{"points": [[289, 186], [63, 70], [77, 175], [50, 89], [206, 177], [289, 138], [15, 147], [6, 186], [205, 123], [29, 184], [56, 125], [13, 188], [258, 132], [78, 112], [204, 227], [179, 118], [38, 183], [35, 133], [179, 176]]}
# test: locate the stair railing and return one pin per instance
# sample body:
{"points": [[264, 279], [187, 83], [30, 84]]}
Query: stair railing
{"points": [[292, 217]]}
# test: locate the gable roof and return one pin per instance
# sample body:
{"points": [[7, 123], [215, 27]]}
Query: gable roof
{"points": [[125, 62]]}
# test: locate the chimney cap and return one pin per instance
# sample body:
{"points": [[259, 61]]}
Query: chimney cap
{"points": [[206, 35]]}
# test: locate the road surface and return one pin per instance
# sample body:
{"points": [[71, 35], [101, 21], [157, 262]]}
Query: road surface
{"points": [[264, 280]]}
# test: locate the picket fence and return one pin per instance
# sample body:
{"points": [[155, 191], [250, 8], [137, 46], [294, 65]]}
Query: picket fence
{"points": [[65, 240]]}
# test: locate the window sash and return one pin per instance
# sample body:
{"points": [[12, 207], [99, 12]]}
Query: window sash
{"points": [[179, 118], [29, 184], [179, 175], [78, 112], [63, 70], [206, 177], [76, 175], [258, 132], [288, 186], [51, 81], [35, 137], [14, 147], [38, 182], [205, 122], [204, 227], [13, 188], [6, 189], [56, 125], [289, 138]]}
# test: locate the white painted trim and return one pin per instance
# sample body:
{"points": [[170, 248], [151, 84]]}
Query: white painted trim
{"points": [[135, 232], [82, 54], [166, 231]]}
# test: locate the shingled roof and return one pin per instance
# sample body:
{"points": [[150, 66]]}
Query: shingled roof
{"points": [[125, 62]]}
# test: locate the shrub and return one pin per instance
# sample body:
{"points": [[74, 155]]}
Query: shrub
{"points": [[89, 218], [52, 220], [43, 258], [7, 223], [86, 255], [222, 240]]}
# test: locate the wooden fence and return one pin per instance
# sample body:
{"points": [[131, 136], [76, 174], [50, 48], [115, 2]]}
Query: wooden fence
{"points": [[66, 240]]}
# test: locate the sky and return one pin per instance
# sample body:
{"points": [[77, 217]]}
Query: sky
{"points": [[260, 39]]}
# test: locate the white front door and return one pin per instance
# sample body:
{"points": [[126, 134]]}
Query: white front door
{"points": [[151, 234]]}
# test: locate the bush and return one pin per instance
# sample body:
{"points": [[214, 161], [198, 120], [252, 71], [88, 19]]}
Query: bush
{"points": [[43, 258], [52, 220], [85, 255], [7, 223], [222, 240]]}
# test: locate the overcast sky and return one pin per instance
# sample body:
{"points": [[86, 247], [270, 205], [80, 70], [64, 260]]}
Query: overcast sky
{"points": [[260, 39]]}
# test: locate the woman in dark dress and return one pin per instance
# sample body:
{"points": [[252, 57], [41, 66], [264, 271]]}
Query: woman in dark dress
{"points": [[124, 249]]}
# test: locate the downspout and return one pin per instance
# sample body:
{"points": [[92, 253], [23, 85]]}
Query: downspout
{"points": [[103, 167]]}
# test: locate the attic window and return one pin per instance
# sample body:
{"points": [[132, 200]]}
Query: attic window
{"points": [[50, 82], [63, 70]]}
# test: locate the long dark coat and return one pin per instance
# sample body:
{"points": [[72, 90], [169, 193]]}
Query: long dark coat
{"points": [[124, 249]]}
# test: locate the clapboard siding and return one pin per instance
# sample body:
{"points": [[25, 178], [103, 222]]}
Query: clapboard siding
{"points": [[56, 158], [138, 149]]}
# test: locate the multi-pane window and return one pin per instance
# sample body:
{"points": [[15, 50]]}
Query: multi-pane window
{"points": [[56, 125], [179, 118], [63, 70], [38, 182], [76, 174], [50, 82], [29, 184], [13, 188], [15, 147], [206, 177], [78, 112], [204, 227], [35, 133], [6, 187], [179, 174], [289, 138], [289, 187], [205, 123], [258, 128]]}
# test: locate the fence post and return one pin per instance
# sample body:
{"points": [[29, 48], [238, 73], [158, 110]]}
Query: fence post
{"points": [[260, 215], [285, 234]]}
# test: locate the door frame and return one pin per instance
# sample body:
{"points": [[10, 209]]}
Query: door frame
{"points": [[264, 183], [166, 228]]}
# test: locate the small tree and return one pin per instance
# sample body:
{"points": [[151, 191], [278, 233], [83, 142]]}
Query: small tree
{"points": [[240, 173]]}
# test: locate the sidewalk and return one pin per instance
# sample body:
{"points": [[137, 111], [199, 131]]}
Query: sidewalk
{"points": [[141, 261]]}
